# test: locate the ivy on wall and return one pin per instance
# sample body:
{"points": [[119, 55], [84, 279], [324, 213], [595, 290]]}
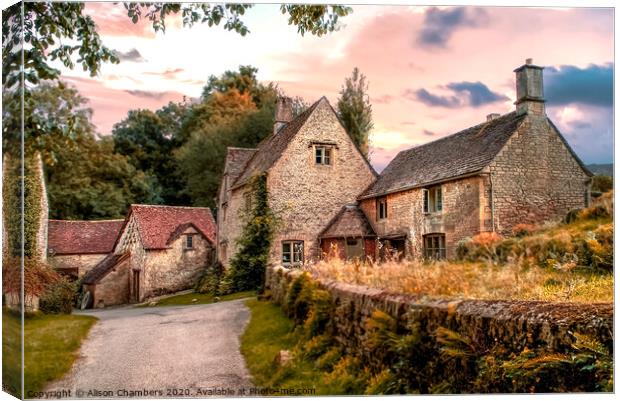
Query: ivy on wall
{"points": [[248, 265]]}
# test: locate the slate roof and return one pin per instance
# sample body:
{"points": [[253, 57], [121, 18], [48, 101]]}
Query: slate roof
{"points": [[272, 147], [236, 159], [70, 237], [465, 152], [350, 221], [157, 224], [102, 268]]}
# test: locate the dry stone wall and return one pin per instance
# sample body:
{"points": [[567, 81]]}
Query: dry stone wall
{"points": [[512, 324], [82, 262]]}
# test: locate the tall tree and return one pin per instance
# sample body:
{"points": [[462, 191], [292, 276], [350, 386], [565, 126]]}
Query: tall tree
{"points": [[355, 110]]}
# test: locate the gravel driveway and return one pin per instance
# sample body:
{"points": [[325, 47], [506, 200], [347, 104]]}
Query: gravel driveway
{"points": [[177, 351]]}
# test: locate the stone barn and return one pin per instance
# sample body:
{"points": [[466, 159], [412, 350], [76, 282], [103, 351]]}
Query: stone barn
{"points": [[160, 249], [75, 247]]}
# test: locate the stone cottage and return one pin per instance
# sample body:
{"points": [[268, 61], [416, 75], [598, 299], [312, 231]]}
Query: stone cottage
{"points": [[510, 169], [160, 249], [313, 169], [74, 247]]}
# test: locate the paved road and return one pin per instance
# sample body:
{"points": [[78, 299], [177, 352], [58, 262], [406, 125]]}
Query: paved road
{"points": [[161, 348]]}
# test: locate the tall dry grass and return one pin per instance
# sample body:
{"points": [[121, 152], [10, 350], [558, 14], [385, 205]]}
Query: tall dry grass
{"points": [[470, 280]]}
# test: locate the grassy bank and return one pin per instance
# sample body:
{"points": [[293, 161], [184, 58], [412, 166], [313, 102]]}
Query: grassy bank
{"points": [[268, 332], [188, 299], [51, 346]]}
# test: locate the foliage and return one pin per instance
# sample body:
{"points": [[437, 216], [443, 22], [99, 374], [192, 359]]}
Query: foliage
{"points": [[355, 110], [316, 19], [31, 185], [248, 265], [59, 297], [210, 278], [602, 184], [201, 159], [50, 31], [51, 345]]}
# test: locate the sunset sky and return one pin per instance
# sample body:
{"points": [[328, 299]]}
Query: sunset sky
{"points": [[432, 71]]}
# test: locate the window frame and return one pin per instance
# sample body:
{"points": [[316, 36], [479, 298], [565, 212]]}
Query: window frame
{"points": [[382, 208], [323, 155], [437, 248], [432, 199], [295, 256], [189, 241]]}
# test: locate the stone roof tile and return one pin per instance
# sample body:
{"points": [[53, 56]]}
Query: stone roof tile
{"points": [[67, 237]]}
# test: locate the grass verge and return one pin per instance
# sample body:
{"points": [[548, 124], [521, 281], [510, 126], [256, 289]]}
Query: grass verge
{"points": [[268, 332], [51, 344], [186, 299]]}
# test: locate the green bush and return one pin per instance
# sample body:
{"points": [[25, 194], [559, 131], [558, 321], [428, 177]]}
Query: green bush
{"points": [[210, 279], [59, 297]]}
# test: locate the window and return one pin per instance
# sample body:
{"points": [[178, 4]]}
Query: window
{"points": [[435, 246], [382, 208], [323, 155], [433, 200], [248, 202], [292, 252], [189, 242]]}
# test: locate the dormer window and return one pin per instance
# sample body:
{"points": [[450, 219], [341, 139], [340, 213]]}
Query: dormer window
{"points": [[433, 199], [323, 155]]}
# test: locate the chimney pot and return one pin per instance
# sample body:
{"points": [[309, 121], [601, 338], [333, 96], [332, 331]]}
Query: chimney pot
{"points": [[528, 61], [284, 112], [492, 116]]}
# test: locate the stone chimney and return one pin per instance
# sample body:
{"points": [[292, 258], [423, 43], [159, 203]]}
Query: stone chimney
{"points": [[492, 116], [530, 98], [284, 112]]}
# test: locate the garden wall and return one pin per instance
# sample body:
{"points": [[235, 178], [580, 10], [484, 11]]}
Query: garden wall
{"points": [[512, 324]]}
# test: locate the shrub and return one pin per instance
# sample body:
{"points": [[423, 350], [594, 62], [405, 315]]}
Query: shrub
{"points": [[319, 314], [299, 298], [329, 358], [210, 279], [348, 377], [59, 297], [521, 230]]}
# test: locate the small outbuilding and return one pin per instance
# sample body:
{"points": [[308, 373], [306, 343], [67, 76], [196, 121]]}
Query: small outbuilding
{"points": [[349, 236]]}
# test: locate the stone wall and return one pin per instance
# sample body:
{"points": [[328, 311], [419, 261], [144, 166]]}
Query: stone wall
{"points": [[306, 196], [512, 324], [113, 289], [175, 268], [461, 215], [535, 178], [82, 262]]}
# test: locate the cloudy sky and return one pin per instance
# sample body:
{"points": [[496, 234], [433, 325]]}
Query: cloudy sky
{"points": [[432, 71]]}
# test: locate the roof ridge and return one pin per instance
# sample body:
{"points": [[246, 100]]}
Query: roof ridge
{"points": [[170, 206], [481, 125], [87, 221]]}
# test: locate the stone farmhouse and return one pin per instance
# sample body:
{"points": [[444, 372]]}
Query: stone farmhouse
{"points": [[313, 169], [160, 249], [510, 169], [75, 247]]}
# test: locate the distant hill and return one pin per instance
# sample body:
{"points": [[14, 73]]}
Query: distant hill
{"points": [[602, 169]]}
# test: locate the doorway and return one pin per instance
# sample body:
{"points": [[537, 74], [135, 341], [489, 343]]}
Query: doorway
{"points": [[135, 286]]}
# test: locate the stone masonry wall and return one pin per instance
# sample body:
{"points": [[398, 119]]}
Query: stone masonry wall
{"points": [[176, 268], [83, 262], [512, 324], [535, 178], [306, 196], [113, 289], [461, 215]]}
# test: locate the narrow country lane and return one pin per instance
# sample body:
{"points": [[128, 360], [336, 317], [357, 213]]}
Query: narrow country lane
{"points": [[180, 351]]}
